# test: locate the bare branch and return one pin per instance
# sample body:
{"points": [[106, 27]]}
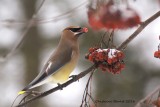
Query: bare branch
{"points": [[86, 93], [37, 21], [148, 97], [61, 16], [140, 28], [28, 26], [59, 87]]}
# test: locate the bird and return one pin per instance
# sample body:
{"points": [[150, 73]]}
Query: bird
{"points": [[62, 61]]}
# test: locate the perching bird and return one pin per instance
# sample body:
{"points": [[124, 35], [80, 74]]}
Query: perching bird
{"points": [[62, 61]]}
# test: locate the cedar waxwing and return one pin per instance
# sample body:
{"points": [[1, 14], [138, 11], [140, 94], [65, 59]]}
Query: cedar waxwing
{"points": [[62, 61]]}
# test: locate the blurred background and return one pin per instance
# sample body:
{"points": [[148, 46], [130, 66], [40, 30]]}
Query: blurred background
{"points": [[140, 76]]}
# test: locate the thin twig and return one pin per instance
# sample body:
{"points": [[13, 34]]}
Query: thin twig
{"points": [[28, 26], [110, 39], [84, 99], [44, 20], [92, 100], [90, 92], [59, 87], [148, 96], [103, 39], [14, 100], [140, 28], [41, 20]]}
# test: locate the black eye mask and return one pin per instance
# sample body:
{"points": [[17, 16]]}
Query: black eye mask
{"points": [[75, 29]]}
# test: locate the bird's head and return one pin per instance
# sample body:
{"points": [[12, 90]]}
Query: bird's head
{"points": [[74, 31]]}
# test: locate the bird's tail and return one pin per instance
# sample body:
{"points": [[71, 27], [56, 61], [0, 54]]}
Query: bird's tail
{"points": [[35, 83], [21, 92], [31, 85]]}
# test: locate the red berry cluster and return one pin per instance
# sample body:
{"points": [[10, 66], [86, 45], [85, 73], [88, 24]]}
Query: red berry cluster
{"points": [[111, 16], [110, 60]]}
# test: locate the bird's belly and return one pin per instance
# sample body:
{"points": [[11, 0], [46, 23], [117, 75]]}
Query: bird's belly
{"points": [[63, 73]]}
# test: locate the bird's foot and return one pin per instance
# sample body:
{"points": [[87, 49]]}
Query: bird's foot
{"points": [[73, 77], [59, 85]]}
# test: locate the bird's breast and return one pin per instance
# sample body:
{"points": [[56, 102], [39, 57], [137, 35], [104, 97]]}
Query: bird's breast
{"points": [[63, 73]]}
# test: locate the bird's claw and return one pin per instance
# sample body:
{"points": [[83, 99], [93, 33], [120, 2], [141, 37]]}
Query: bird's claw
{"points": [[59, 85], [73, 77]]}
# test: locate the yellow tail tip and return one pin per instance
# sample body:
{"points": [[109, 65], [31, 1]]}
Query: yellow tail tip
{"points": [[21, 92]]}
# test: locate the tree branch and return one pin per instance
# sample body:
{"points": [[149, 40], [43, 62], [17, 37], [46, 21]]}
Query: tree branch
{"points": [[140, 28], [22, 37], [59, 87], [148, 96], [38, 21]]}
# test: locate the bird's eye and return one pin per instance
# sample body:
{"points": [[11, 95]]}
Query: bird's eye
{"points": [[75, 29]]}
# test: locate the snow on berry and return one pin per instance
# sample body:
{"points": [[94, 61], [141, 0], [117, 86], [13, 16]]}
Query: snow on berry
{"points": [[110, 60]]}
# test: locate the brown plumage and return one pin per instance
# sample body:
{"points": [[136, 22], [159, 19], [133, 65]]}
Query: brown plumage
{"points": [[62, 61]]}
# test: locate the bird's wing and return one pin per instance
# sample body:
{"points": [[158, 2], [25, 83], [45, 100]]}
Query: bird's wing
{"points": [[55, 63]]}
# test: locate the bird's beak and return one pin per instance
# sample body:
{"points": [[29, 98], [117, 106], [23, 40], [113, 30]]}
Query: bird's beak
{"points": [[82, 30]]}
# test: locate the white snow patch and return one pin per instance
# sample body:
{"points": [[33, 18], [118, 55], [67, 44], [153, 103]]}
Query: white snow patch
{"points": [[110, 53]]}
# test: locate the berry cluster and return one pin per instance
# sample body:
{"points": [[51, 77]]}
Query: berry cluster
{"points": [[111, 16], [110, 60]]}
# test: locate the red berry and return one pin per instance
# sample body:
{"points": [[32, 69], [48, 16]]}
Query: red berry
{"points": [[109, 61], [90, 57], [157, 54], [120, 55]]}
